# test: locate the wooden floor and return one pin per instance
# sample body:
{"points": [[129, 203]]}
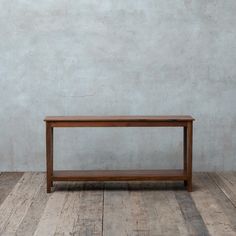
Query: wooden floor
{"points": [[117, 209]]}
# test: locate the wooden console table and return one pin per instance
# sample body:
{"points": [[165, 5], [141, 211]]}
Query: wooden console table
{"points": [[184, 174]]}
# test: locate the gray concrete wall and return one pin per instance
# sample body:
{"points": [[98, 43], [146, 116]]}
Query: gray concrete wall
{"points": [[110, 57]]}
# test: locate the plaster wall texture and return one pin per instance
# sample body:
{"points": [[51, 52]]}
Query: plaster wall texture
{"points": [[117, 57]]}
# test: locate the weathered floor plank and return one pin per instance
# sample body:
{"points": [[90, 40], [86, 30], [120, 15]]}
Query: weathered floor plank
{"points": [[69, 212], [117, 214], [89, 217], [214, 185], [34, 213], [193, 219], [15, 206], [168, 214], [212, 213], [7, 182], [144, 209], [227, 183], [50, 217], [142, 222], [176, 212]]}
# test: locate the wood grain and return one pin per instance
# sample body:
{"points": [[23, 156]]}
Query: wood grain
{"points": [[69, 213], [50, 217], [145, 209], [212, 213], [118, 208], [192, 217], [118, 175], [227, 183], [91, 204], [112, 199], [165, 216], [30, 222], [141, 221], [15, 206], [7, 182], [213, 183]]}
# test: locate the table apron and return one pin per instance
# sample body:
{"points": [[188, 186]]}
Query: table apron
{"points": [[69, 124]]}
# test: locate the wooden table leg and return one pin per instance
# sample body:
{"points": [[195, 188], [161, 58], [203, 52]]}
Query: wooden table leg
{"points": [[189, 155], [49, 155], [185, 152]]}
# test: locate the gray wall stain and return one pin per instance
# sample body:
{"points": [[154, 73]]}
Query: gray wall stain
{"points": [[85, 57]]}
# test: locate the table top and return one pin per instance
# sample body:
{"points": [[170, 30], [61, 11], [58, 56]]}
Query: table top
{"points": [[119, 118]]}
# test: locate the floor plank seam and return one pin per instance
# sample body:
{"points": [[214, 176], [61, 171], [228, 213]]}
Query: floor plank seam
{"points": [[221, 190]]}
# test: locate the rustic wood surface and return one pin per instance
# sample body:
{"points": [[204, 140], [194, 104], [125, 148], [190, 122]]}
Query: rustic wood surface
{"points": [[117, 208]]}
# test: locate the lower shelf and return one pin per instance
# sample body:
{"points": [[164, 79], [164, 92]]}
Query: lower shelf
{"points": [[119, 175]]}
